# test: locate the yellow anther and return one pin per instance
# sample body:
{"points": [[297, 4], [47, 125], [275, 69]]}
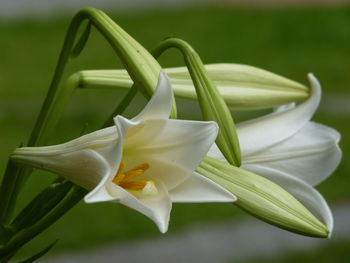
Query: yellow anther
{"points": [[123, 179], [119, 176], [121, 168], [138, 170], [133, 173], [133, 185]]}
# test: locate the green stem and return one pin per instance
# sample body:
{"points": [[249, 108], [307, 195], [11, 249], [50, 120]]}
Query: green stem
{"points": [[211, 102], [9, 189]]}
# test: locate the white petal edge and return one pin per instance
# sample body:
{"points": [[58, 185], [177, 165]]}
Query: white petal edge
{"points": [[95, 139], [305, 193], [215, 153], [157, 207], [312, 154], [199, 189], [257, 134], [113, 156], [159, 106]]}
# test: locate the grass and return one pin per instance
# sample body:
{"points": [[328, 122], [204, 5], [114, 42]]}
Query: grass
{"points": [[290, 42]]}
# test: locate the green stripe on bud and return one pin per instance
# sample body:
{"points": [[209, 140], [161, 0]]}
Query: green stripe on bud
{"points": [[263, 198], [243, 87]]}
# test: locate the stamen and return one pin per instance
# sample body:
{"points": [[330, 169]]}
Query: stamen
{"points": [[133, 185], [138, 170], [121, 167], [136, 187], [119, 176], [133, 173]]}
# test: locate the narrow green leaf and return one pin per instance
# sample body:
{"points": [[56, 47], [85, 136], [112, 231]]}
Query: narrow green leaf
{"points": [[9, 189], [23, 236], [40, 254], [42, 204]]}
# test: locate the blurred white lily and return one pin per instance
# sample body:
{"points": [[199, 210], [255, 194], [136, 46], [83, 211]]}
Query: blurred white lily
{"points": [[290, 150], [145, 163]]}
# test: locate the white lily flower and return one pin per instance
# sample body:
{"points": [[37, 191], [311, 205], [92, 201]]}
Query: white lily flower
{"points": [[145, 163], [290, 150]]}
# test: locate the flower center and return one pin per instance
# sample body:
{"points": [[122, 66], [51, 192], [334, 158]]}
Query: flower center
{"points": [[128, 182]]}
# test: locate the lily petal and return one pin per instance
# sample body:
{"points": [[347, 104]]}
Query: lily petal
{"points": [[156, 207], [312, 154], [305, 193], [173, 148], [159, 106], [257, 134], [101, 194], [113, 155], [198, 188], [84, 167], [92, 140]]}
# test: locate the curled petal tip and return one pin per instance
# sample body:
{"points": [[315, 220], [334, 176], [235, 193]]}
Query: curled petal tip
{"points": [[310, 75], [163, 228], [314, 81]]}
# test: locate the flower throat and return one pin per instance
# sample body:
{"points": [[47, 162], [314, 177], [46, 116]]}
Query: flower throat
{"points": [[127, 180]]}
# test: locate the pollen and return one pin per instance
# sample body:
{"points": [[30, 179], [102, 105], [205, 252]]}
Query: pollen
{"points": [[127, 180]]}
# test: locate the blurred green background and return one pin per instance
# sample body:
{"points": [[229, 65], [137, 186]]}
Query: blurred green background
{"points": [[288, 41]]}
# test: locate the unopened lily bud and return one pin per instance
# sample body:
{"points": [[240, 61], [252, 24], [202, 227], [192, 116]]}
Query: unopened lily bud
{"points": [[263, 198], [243, 87], [143, 68]]}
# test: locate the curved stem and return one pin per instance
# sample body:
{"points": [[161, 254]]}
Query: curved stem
{"points": [[211, 102], [9, 189]]}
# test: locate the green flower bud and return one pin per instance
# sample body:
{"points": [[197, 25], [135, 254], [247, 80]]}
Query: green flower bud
{"points": [[143, 68], [263, 198], [243, 87]]}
